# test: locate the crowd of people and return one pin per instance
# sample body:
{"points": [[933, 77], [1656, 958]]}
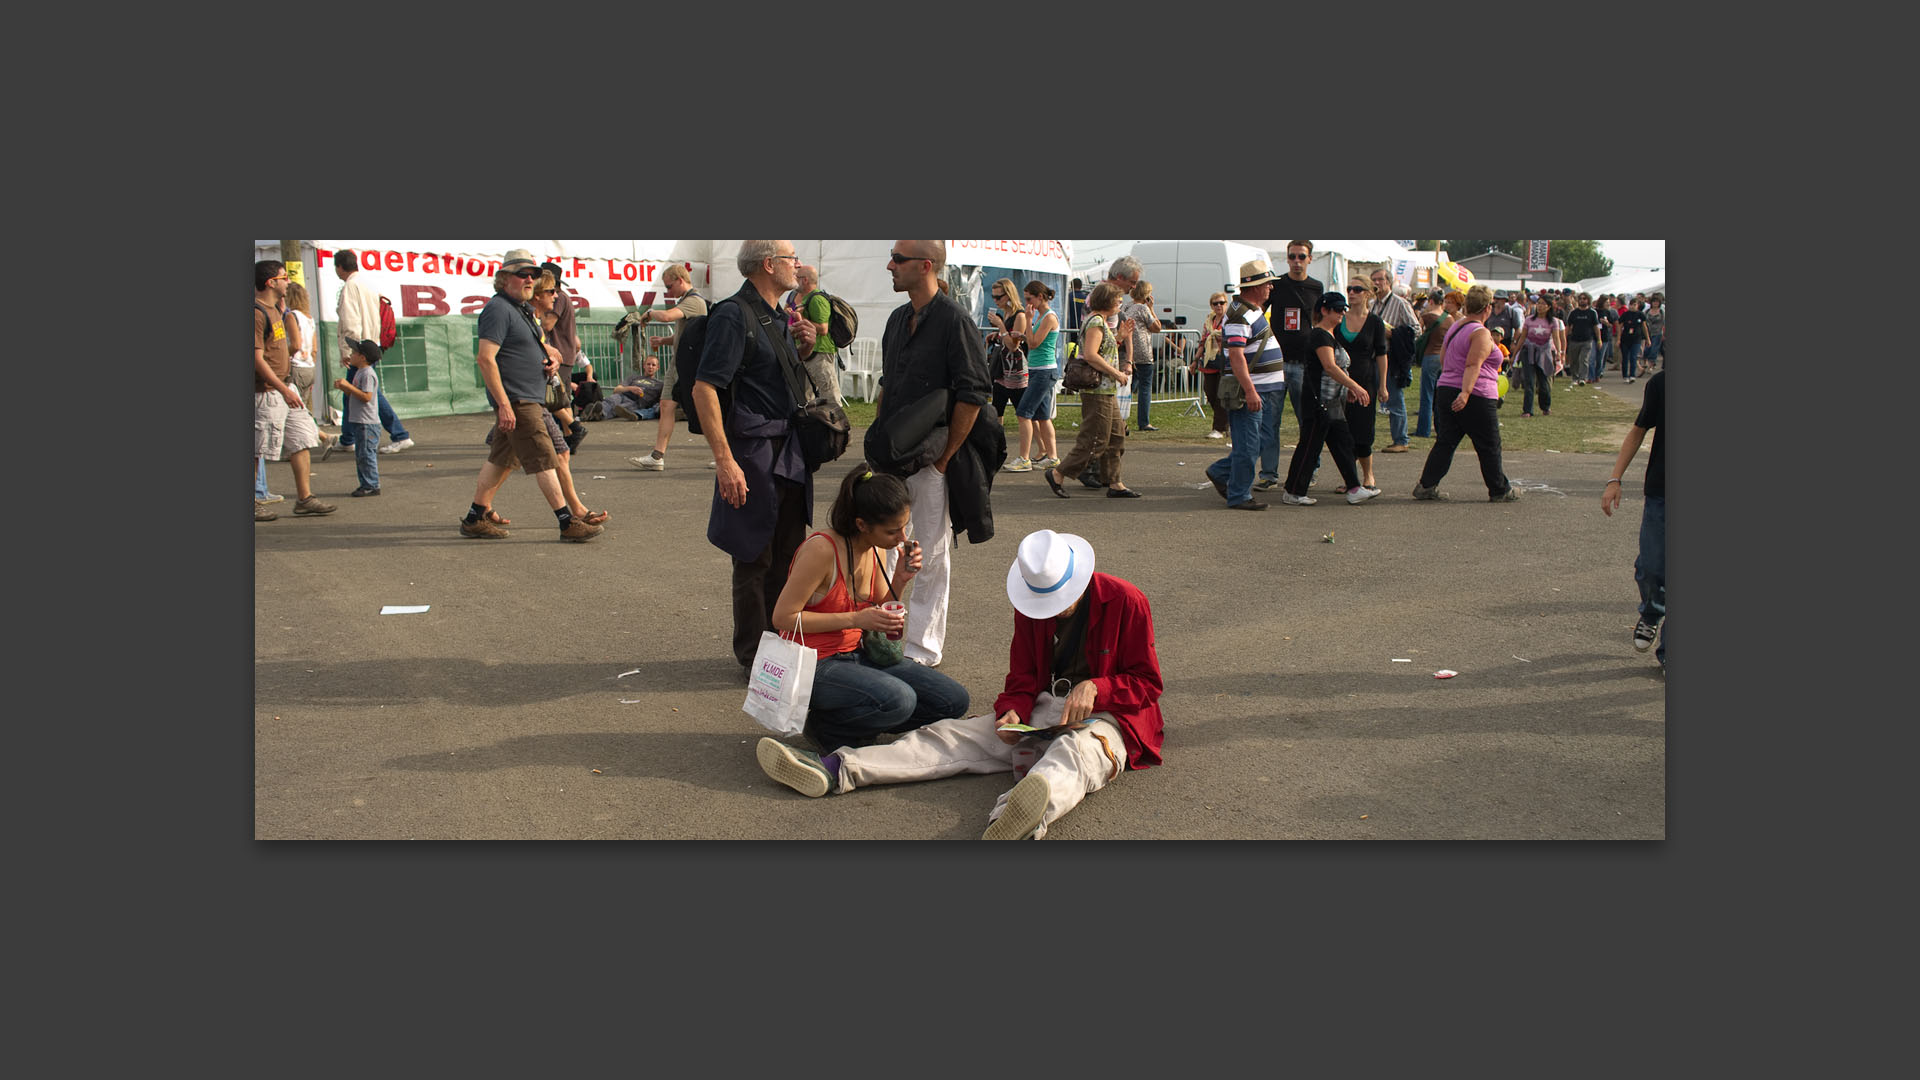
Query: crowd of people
{"points": [[1079, 703]]}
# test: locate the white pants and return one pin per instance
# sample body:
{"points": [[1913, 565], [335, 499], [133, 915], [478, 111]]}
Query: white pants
{"points": [[926, 634], [1073, 764]]}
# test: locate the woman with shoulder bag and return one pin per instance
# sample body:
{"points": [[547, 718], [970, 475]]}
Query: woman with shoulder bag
{"points": [[1325, 389], [1103, 430], [1007, 356], [862, 687], [1209, 363]]}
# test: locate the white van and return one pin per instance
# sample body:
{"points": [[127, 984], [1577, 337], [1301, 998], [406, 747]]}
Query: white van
{"points": [[1185, 272]]}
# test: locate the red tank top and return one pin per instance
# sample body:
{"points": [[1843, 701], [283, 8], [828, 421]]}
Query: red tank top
{"points": [[839, 599]]}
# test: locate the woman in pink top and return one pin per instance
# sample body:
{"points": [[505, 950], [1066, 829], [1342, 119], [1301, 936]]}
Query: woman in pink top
{"points": [[1466, 401]]}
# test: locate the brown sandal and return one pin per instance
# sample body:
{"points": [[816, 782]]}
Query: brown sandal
{"points": [[495, 518], [594, 517]]}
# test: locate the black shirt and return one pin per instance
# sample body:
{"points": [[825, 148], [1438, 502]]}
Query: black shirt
{"points": [[755, 373], [943, 351], [1290, 313], [1362, 348], [1070, 647], [1653, 410], [1632, 326], [1582, 324]]}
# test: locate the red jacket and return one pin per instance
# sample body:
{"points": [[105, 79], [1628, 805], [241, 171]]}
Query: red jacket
{"points": [[1120, 653]]}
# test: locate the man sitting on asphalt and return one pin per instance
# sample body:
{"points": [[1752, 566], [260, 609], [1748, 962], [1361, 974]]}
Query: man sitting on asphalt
{"points": [[639, 395]]}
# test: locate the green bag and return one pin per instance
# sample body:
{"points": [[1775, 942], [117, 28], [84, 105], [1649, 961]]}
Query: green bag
{"points": [[879, 649]]}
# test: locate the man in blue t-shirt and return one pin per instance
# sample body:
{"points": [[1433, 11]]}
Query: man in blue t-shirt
{"points": [[514, 365]]}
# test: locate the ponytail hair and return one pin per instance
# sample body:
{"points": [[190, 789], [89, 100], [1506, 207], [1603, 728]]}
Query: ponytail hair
{"points": [[869, 496]]}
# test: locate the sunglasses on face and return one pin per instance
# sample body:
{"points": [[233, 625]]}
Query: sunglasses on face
{"points": [[901, 260], [1298, 258], [1358, 289], [526, 275]]}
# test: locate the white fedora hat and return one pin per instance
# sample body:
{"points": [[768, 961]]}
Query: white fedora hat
{"points": [[1050, 571]]}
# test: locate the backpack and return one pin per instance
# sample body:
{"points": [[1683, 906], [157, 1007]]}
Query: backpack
{"points": [[686, 361], [266, 336], [389, 327], [843, 323], [822, 426]]}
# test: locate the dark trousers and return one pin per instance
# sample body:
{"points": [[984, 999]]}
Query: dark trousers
{"points": [[757, 584], [1211, 382], [1479, 421], [1533, 378], [1318, 429]]}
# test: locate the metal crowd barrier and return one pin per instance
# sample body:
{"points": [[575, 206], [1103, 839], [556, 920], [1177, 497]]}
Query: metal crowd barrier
{"points": [[1173, 381]]}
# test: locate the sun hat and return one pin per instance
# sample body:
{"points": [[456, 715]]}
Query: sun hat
{"points": [[519, 259], [1049, 572], [1257, 272]]}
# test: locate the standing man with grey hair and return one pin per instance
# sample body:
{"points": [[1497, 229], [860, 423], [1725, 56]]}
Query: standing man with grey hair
{"points": [[684, 302], [763, 493], [513, 366], [931, 350], [1402, 327], [823, 364]]}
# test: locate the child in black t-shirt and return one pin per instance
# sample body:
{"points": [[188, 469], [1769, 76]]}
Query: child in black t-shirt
{"points": [[1650, 567]]}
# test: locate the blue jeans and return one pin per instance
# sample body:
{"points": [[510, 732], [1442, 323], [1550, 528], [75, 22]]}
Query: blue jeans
{"points": [[1630, 360], [1249, 430], [651, 412], [388, 419], [1036, 403], [1598, 365], [1653, 349], [1650, 569], [1429, 379], [1396, 412], [1142, 386], [853, 701], [259, 478], [366, 447]]}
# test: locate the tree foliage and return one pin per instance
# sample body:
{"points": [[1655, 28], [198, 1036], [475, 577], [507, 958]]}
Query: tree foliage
{"points": [[1575, 259]]}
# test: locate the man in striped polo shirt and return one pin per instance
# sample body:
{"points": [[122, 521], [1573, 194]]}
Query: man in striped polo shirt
{"points": [[1256, 370]]}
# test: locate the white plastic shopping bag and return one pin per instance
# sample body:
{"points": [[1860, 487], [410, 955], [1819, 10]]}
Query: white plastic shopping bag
{"points": [[780, 683]]}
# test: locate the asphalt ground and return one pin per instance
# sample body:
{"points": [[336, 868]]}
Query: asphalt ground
{"points": [[503, 712]]}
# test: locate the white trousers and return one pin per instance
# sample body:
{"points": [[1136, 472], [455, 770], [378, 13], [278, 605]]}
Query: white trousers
{"points": [[926, 634], [1073, 764]]}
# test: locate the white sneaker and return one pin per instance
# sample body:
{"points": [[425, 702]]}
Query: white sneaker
{"points": [[396, 447], [1361, 494], [1289, 499], [651, 463], [1216, 435], [272, 498], [1018, 464], [1045, 462]]}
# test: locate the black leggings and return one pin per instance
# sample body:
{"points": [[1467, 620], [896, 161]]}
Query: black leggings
{"points": [[1317, 429], [1478, 421]]}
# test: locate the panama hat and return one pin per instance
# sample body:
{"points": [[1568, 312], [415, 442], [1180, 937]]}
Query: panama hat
{"points": [[1049, 572], [1257, 272], [518, 259]]}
